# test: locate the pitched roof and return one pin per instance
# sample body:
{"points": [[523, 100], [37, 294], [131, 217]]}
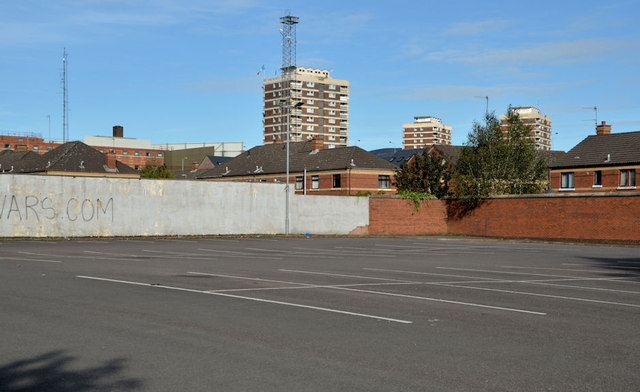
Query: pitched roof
{"points": [[395, 155], [614, 149], [217, 160], [448, 152], [9, 158], [271, 159], [74, 157]]}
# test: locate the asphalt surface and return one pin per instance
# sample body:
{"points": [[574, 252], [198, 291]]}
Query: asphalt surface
{"points": [[318, 314]]}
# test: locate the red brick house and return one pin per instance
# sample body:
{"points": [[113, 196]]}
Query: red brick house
{"points": [[312, 170], [605, 162]]}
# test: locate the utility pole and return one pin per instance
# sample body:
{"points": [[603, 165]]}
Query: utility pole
{"points": [[65, 98]]}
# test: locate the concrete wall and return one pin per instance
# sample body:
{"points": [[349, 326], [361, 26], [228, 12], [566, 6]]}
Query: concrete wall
{"points": [[50, 206]]}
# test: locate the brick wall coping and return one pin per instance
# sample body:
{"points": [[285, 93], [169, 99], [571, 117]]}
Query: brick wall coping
{"points": [[535, 196]]}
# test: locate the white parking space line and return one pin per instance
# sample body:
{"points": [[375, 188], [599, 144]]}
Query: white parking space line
{"points": [[297, 305], [346, 275], [231, 253], [299, 285], [291, 253], [543, 295], [504, 272], [545, 282], [431, 274], [28, 259], [443, 301], [408, 296], [569, 269]]}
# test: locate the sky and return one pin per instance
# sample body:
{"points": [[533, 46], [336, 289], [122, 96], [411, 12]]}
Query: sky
{"points": [[174, 71]]}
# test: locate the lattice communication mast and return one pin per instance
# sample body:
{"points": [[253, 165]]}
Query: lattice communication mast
{"points": [[65, 98], [289, 43]]}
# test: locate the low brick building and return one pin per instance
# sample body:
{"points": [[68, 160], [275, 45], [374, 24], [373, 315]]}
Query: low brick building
{"points": [[605, 162], [312, 170]]}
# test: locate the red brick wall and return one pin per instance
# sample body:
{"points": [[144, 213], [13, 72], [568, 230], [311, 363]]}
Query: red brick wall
{"points": [[608, 217], [395, 216]]}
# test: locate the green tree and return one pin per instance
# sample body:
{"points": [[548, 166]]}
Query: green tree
{"points": [[499, 160], [150, 171], [424, 173]]}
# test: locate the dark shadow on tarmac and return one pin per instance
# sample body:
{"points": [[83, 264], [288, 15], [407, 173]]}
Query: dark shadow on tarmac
{"points": [[618, 267], [53, 372]]}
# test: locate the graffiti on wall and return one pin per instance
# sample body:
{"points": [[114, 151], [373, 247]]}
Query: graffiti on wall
{"points": [[38, 208]]}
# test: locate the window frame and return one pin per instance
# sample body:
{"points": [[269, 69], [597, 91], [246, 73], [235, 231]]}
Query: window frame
{"points": [[384, 179], [315, 182], [299, 183], [567, 181], [629, 176], [597, 178], [337, 183]]}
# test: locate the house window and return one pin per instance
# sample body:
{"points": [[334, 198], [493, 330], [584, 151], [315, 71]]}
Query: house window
{"points": [[298, 183], [159, 154], [35, 147], [125, 152], [315, 182], [597, 178], [336, 180], [7, 145], [566, 181], [263, 180], [136, 153], [628, 177], [383, 182]]}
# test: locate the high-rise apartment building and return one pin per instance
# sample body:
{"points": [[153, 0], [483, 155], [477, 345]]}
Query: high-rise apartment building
{"points": [[539, 123], [319, 107], [425, 132]]}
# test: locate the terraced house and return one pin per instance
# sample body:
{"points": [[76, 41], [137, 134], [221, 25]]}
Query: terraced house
{"points": [[605, 162], [313, 170]]}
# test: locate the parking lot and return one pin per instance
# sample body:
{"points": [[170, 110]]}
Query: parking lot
{"points": [[319, 314]]}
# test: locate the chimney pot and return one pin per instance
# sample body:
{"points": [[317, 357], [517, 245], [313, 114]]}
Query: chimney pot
{"points": [[603, 129], [118, 131]]}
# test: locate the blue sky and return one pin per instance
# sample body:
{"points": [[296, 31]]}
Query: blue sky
{"points": [[186, 71]]}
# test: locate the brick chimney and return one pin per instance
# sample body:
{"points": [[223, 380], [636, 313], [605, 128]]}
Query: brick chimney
{"points": [[110, 160], [118, 131], [194, 165], [317, 143], [603, 129]]}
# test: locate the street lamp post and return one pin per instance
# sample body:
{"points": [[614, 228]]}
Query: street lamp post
{"points": [[284, 105]]}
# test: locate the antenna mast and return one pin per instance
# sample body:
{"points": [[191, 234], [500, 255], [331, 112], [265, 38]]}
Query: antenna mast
{"points": [[65, 98], [289, 43]]}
